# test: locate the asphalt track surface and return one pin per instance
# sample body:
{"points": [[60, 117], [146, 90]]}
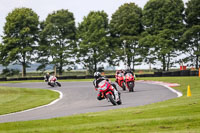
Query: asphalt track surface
{"points": [[80, 97]]}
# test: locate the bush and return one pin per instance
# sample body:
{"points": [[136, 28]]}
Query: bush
{"points": [[9, 72]]}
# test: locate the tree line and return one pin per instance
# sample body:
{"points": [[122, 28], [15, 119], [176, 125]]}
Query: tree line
{"points": [[161, 31]]}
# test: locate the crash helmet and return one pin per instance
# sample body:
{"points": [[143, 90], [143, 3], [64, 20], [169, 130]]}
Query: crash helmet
{"points": [[97, 75], [47, 75], [128, 69]]}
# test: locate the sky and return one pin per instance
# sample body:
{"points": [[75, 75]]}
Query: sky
{"points": [[79, 8]]}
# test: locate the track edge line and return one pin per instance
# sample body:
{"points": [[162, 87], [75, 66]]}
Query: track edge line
{"points": [[51, 103]]}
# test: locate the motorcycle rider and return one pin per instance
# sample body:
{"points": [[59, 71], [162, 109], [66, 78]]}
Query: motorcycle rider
{"points": [[97, 80], [119, 73], [48, 78], [128, 70]]}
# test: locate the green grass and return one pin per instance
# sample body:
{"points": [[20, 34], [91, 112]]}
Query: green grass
{"points": [[28, 81], [18, 99], [178, 115]]}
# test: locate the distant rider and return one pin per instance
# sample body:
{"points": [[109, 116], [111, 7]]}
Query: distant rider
{"points": [[48, 78], [128, 70], [119, 73]]}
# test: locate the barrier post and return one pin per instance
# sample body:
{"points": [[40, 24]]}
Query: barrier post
{"points": [[199, 71], [103, 74], [189, 91]]}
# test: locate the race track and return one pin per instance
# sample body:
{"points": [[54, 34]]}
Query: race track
{"points": [[80, 97]]}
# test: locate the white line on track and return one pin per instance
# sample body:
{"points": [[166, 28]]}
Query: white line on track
{"points": [[53, 102], [164, 84], [179, 94]]}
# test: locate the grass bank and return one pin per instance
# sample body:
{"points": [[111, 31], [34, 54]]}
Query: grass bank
{"points": [[65, 80], [18, 99], [179, 115]]}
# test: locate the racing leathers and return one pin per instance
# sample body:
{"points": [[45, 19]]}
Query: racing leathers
{"points": [[97, 85], [49, 78]]}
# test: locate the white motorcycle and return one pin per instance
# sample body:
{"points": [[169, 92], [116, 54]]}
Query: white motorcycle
{"points": [[52, 81]]}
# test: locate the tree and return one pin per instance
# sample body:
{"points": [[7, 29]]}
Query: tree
{"points": [[93, 44], [191, 38], [163, 22], [20, 37], [43, 50], [57, 40], [125, 28]]}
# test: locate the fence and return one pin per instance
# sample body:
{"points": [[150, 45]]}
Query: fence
{"points": [[156, 74]]}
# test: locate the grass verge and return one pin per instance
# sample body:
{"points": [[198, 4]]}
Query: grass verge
{"points": [[179, 115], [28, 81], [18, 99]]}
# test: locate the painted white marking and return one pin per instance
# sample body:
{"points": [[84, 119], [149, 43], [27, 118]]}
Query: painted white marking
{"points": [[166, 85], [53, 102], [179, 94]]}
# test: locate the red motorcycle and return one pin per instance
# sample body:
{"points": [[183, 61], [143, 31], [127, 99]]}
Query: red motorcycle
{"points": [[130, 82], [109, 92], [120, 81]]}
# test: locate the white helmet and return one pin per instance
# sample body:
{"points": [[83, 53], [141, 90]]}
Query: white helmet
{"points": [[97, 75]]}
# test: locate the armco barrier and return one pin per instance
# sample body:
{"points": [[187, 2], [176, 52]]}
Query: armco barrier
{"points": [[67, 77], [110, 76], [3, 79], [27, 78], [194, 73], [144, 75], [80, 77], [185, 73], [166, 74], [176, 73], [156, 74]]}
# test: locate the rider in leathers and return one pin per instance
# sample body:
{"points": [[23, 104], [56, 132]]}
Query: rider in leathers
{"points": [[48, 78], [98, 79], [128, 71]]}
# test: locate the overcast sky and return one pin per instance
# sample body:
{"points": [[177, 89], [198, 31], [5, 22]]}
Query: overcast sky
{"points": [[79, 8]]}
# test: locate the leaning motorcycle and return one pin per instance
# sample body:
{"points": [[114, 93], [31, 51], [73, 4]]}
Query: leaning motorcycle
{"points": [[109, 92], [53, 81], [130, 82], [120, 81]]}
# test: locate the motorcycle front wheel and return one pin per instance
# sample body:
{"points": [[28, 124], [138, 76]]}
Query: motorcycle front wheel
{"points": [[123, 86], [131, 86], [120, 101], [110, 97], [58, 84]]}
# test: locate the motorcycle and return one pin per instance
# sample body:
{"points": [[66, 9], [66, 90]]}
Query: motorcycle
{"points": [[130, 82], [53, 81], [120, 81], [109, 92]]}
